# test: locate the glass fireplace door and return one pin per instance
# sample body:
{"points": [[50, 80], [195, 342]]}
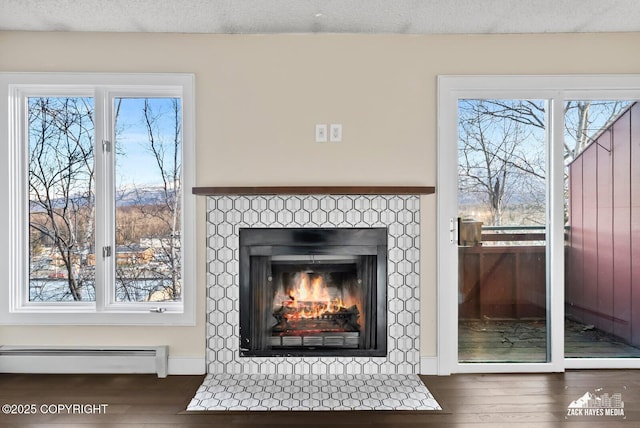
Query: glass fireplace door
{"points": [[319, 292], [312, 302]]}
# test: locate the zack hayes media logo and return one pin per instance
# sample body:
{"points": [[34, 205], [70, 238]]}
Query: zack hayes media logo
{"points": [[597, 403]]}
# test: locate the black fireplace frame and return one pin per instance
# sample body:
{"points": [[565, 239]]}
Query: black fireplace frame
{"points": [[268, 242]]}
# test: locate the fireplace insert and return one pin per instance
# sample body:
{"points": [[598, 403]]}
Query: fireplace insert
{"points": [[313, 291]]}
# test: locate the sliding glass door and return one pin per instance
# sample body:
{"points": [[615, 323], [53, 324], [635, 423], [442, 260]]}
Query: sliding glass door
{"points": [[538, 223], [502, 206]]}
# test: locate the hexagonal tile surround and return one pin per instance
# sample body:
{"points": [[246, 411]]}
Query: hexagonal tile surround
{"points": [[399, 213]]}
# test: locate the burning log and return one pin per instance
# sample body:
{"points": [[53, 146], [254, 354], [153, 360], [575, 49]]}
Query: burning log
{"points": [[291, 318]]}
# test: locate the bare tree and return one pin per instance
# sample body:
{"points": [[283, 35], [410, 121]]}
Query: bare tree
{"points": [[62, 203], [156, 214], [499, 155], [61, 191], [495, 162], [169, 168], [584, 120]]}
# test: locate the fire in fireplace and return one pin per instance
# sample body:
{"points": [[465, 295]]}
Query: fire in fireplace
{"points": [[313, 292], [317, 303]]}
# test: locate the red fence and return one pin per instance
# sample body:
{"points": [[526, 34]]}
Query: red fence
{"points": [[503, 282]]}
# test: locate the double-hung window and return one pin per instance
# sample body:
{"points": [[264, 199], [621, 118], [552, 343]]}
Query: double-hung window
{"points": [[98, 215]]}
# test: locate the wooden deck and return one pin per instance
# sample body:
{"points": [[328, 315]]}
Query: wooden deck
{"points": [[525, 341], [469, 400]]}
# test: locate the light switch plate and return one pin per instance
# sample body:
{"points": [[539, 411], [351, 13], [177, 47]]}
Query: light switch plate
{"points": [[335, 132], [321, 133]]}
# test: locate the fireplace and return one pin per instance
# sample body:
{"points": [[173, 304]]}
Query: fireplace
{"points": [[226, 215], [313, 291]]}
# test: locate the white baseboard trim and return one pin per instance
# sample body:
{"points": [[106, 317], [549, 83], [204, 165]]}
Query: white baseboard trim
{"points": [[429, 365], [187, 365]]}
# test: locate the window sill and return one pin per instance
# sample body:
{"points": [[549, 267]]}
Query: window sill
{"points": [[113, 316]]}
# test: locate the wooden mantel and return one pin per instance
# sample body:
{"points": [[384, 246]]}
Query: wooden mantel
{"points": [[315, 190]]}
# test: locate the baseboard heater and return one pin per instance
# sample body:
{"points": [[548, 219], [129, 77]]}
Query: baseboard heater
{"points": [[84, 359]]}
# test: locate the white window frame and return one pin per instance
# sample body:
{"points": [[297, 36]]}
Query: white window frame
{"points": [[555, 89], [15, 307]]}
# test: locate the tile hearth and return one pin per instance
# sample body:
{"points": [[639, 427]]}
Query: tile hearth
{"points": [[224, 392]]}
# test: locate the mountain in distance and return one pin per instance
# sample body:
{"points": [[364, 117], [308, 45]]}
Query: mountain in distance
{"points": [[148, 195], [127, 196]]}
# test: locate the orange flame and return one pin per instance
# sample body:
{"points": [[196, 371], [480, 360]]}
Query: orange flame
{"points": [[311, 298]]}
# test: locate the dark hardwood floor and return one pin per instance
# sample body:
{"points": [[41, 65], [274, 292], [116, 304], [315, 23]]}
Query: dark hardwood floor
{"points": [[474, 400]]}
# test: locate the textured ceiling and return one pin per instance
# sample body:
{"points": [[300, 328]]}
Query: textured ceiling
{"points": [[322, 16]]}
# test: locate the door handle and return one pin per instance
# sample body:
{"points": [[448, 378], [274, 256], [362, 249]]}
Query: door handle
{"points": [[453, 227]]}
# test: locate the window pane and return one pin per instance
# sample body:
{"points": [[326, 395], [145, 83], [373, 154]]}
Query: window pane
{"points": [[148, 199], [61, 199], [601, 200], [502, 312]]}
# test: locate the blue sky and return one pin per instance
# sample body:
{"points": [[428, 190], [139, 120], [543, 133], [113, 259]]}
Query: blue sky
{"points": [[135, 163]]}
